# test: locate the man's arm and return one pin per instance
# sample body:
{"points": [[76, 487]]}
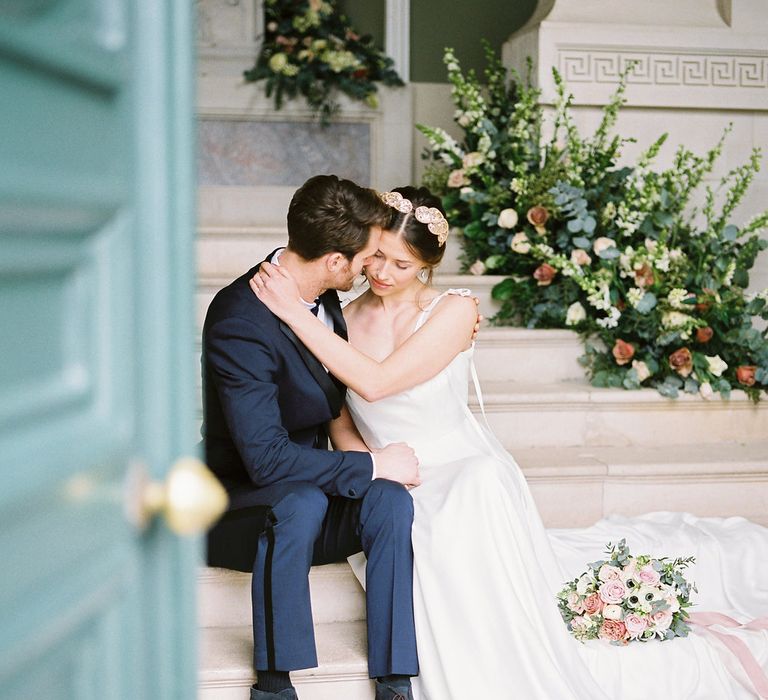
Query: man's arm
{"points": [[243, 368], [396, 462]]}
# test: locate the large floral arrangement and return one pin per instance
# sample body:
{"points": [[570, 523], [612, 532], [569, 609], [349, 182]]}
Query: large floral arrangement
{"points": [[625, 598], [655, 286], [310, 49]]}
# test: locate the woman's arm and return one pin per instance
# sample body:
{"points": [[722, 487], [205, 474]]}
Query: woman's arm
{"points": [[428, 351]]}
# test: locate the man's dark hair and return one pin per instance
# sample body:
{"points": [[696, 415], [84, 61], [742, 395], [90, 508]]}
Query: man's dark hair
{"points": [[330, 215]]}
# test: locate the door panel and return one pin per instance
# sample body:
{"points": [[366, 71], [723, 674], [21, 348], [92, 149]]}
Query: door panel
{"points": [[96, 279]]}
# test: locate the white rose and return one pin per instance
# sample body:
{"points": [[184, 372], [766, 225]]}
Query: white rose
{"points": [[612, 612], [706, 391], [508, 218], [602, 244], [520, 242], [642, 370], [716, 365], [583, 584], [575, 314], [477, 268]]}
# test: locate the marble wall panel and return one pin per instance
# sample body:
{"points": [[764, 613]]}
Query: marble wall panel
{"points": [[249, 153]]}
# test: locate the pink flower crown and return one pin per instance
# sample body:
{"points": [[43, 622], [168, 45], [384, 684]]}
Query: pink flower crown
{"points": [[433, 217]]}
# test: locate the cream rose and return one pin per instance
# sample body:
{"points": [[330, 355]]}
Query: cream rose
{"points": [[642, 370], [716, 365], [477, 268], [473, 159], [508, 218], [706, 391], [612, 612], [609, 573], [583, 584], [602, 244], [575, 314], [520, 242]]}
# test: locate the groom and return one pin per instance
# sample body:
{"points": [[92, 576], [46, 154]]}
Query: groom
{"points": [[293, 503]]}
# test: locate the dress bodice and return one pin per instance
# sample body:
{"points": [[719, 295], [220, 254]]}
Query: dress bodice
{"points": [[424, 413]]}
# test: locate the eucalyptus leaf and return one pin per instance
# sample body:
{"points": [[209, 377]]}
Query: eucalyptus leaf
{"points": [[581, 242], [730, 232], [575, 225], [647, 303], [609, 253], [589, 224]]}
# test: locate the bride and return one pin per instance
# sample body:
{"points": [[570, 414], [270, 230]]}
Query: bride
{"points": [[485, 570]]}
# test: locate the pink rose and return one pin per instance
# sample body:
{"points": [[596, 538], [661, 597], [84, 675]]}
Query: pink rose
{"points": [[649, 576], [635, 624], [593, 604], [612, 591], [612, 630], [661, 620], [457, 179]]}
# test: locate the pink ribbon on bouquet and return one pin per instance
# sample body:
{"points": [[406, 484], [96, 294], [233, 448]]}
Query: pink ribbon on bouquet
{"points": [[705, 621]]}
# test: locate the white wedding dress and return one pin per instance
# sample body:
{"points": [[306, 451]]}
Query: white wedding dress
{"points": [[486, 571]]}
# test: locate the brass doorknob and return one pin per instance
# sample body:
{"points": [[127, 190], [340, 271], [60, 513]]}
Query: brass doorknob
{"points": [[191, 499]]}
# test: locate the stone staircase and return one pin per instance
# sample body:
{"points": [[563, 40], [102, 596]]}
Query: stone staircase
{"points": [[586, 453]]}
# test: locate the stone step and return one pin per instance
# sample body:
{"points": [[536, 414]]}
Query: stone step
{"points": [[481, 287], [518, 354], [575, 413], [222, 251], [225, 666], [224, 597], [572, 487]]}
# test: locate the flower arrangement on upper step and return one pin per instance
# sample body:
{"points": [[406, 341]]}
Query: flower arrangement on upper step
{"points": [[655, 286], [311, 50]]}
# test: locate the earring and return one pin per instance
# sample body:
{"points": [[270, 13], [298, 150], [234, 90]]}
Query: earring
{"points": [[423, 275]]}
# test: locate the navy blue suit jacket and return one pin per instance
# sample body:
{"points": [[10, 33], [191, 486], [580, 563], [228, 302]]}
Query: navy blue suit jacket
{"points": [[266, 402]]}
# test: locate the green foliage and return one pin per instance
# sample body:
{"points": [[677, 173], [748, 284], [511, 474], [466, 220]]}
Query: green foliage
{"points": [[618, 253], [310, 50]]}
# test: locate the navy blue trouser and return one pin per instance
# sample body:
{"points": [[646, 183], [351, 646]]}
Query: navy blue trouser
{"points": [[302, 526]]}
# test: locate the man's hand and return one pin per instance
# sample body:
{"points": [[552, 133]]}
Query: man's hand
{"points": [[480, 319], [398, 462]]}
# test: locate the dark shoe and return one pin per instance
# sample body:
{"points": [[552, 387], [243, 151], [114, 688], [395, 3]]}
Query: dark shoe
{"points": [[287, 694], [388, 692]]}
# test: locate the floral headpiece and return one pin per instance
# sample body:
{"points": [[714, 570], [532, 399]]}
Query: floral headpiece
{"points": [[433, 217]]}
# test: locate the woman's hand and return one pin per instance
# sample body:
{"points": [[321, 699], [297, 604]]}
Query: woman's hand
{"points": [[278, 291], [480, 319]]}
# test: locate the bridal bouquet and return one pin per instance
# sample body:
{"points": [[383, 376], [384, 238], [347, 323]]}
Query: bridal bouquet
{"points": [[626, 598]]}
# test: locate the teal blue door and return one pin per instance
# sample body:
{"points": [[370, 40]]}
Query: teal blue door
{"points": [[97, 377]]}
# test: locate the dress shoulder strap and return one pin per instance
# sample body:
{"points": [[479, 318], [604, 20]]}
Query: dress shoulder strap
{"points": [[424, 315]]}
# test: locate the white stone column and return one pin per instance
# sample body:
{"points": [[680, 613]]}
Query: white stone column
{"points": [[700, 64]]}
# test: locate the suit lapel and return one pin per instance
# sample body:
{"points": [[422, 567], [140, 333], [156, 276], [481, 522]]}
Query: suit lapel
{"points": [[335, 399], [333, 389]]}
